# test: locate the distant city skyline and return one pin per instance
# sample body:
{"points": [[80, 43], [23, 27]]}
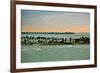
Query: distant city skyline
{"points": [[54, 21]]}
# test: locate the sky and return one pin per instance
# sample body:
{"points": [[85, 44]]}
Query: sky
{"points": [[54, 21]]}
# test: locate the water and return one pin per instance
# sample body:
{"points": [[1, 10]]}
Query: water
{"points": [[41, 53], [76, 35], [44, 53]]}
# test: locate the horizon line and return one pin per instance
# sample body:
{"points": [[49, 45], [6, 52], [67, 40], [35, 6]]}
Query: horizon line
{"points": [[57, 32]]}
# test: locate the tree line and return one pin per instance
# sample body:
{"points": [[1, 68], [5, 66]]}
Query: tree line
{"points": [[30, 40]]}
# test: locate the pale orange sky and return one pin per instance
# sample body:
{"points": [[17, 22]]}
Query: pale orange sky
{"points": [[65, 29], [54, 21]]}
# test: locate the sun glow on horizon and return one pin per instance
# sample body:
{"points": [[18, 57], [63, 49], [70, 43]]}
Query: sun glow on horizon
{"points": [[54, 21]]}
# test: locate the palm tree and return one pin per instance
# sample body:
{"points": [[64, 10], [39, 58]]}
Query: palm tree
{"points": [[70, 40]]}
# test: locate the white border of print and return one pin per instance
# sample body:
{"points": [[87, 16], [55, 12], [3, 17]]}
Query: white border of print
{"points": [[20, 65]]}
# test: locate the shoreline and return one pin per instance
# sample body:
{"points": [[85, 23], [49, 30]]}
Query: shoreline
{"points": [[30, 40]]}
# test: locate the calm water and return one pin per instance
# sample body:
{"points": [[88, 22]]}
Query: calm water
{"points": [[43, 53], [40, 53], [76, 35]]}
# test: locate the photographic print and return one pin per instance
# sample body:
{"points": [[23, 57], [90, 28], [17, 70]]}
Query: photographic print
{"points": [[52, 36]]}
